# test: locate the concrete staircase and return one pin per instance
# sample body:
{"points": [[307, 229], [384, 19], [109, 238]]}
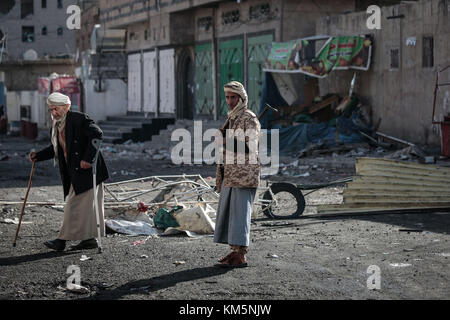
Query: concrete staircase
{"points": [[163, 139], [135, 127]]}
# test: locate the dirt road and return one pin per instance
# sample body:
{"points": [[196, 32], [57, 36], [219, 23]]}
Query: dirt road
{"points": [[357, 257]]}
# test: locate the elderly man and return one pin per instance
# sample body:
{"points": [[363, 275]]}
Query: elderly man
{"points": [[238, 177], [71, 136]]}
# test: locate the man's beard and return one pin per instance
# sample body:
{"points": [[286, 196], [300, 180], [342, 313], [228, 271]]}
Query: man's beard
{"points": [[55, 119]]}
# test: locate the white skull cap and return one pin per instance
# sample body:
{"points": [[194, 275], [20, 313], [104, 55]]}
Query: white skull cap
{"points": [[58, 99]]}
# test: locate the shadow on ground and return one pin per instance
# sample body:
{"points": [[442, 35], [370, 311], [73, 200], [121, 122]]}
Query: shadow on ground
{"points": [[146, 286]]}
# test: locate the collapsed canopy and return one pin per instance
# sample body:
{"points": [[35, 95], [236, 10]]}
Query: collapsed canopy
{"points": [[338, 53]]}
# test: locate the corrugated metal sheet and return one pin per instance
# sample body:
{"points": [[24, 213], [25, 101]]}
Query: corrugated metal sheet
{"points": [[167, 81], [134, 82], [150, 85]]}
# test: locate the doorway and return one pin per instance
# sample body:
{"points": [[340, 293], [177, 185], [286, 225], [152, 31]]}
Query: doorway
{"points": [[185, 84]]}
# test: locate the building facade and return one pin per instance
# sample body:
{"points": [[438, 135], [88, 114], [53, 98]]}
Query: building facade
{"points": [[38, 25], [35, 42], [180, 52], [411, 47]]}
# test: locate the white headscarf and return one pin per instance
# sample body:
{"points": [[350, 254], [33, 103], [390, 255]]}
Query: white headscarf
{"points": [[57, 99], [237, 88]]}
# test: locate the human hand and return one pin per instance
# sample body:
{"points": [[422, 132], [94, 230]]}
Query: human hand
{"points": [[219, 138], [32, 156], [85, 165]]}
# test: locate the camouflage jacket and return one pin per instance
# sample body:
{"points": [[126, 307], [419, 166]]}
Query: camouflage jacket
{"points": [[237, 173]]}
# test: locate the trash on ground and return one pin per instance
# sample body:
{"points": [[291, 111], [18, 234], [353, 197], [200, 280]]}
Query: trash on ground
{"points": [[85, 257], [76, 288], [178, 262], [141, 241], [196, 219], [400, 265], [134, 228], [15, 221], [175, 231], [162, 205], [131, 221], [410, 230]]}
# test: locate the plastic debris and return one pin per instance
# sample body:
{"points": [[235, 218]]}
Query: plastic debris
{"points": [[85, 258], [76, 288], [196, 219], [400, 265], [15, 221], [138, 242], [178, 262]]}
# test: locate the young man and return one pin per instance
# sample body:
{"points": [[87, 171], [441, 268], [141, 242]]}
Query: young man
{"points": [[237, 180], [71, 136]]}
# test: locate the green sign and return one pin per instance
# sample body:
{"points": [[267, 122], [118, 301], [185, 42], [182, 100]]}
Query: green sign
{"points": [[338, 53]]}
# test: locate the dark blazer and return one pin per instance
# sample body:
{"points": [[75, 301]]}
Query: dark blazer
{"points": [[80, 130]]}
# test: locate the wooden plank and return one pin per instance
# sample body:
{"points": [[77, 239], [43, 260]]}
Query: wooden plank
{"points": [[396, 163], [393, 206], [364, 211], [400, 176], [387, 163], [319, 106], [391, 187], [365, 167], [387, 193], [403, 181], [383, 184], [371, 202], [395, 198]]}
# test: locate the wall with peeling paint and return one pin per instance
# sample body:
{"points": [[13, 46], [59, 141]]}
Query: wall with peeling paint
{"points": [[401, 98]]}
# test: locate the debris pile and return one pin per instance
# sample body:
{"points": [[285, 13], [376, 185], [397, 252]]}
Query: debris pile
{"points": [[390, 185], [161, 205]]}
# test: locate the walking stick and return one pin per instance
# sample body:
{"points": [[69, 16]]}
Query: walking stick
{"points": [[96, 143], [24, 202]]}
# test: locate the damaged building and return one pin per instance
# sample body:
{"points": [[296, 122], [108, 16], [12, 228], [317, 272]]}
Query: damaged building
{"points": [[164, 59], [35, 42], [410, 49]]}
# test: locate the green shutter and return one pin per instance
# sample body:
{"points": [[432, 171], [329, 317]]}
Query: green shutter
{"points": [[230, 67], [203, 85], [257, 51]]}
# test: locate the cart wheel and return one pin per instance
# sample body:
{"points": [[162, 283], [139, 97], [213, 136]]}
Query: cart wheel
{"points": [[284, 194]]}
